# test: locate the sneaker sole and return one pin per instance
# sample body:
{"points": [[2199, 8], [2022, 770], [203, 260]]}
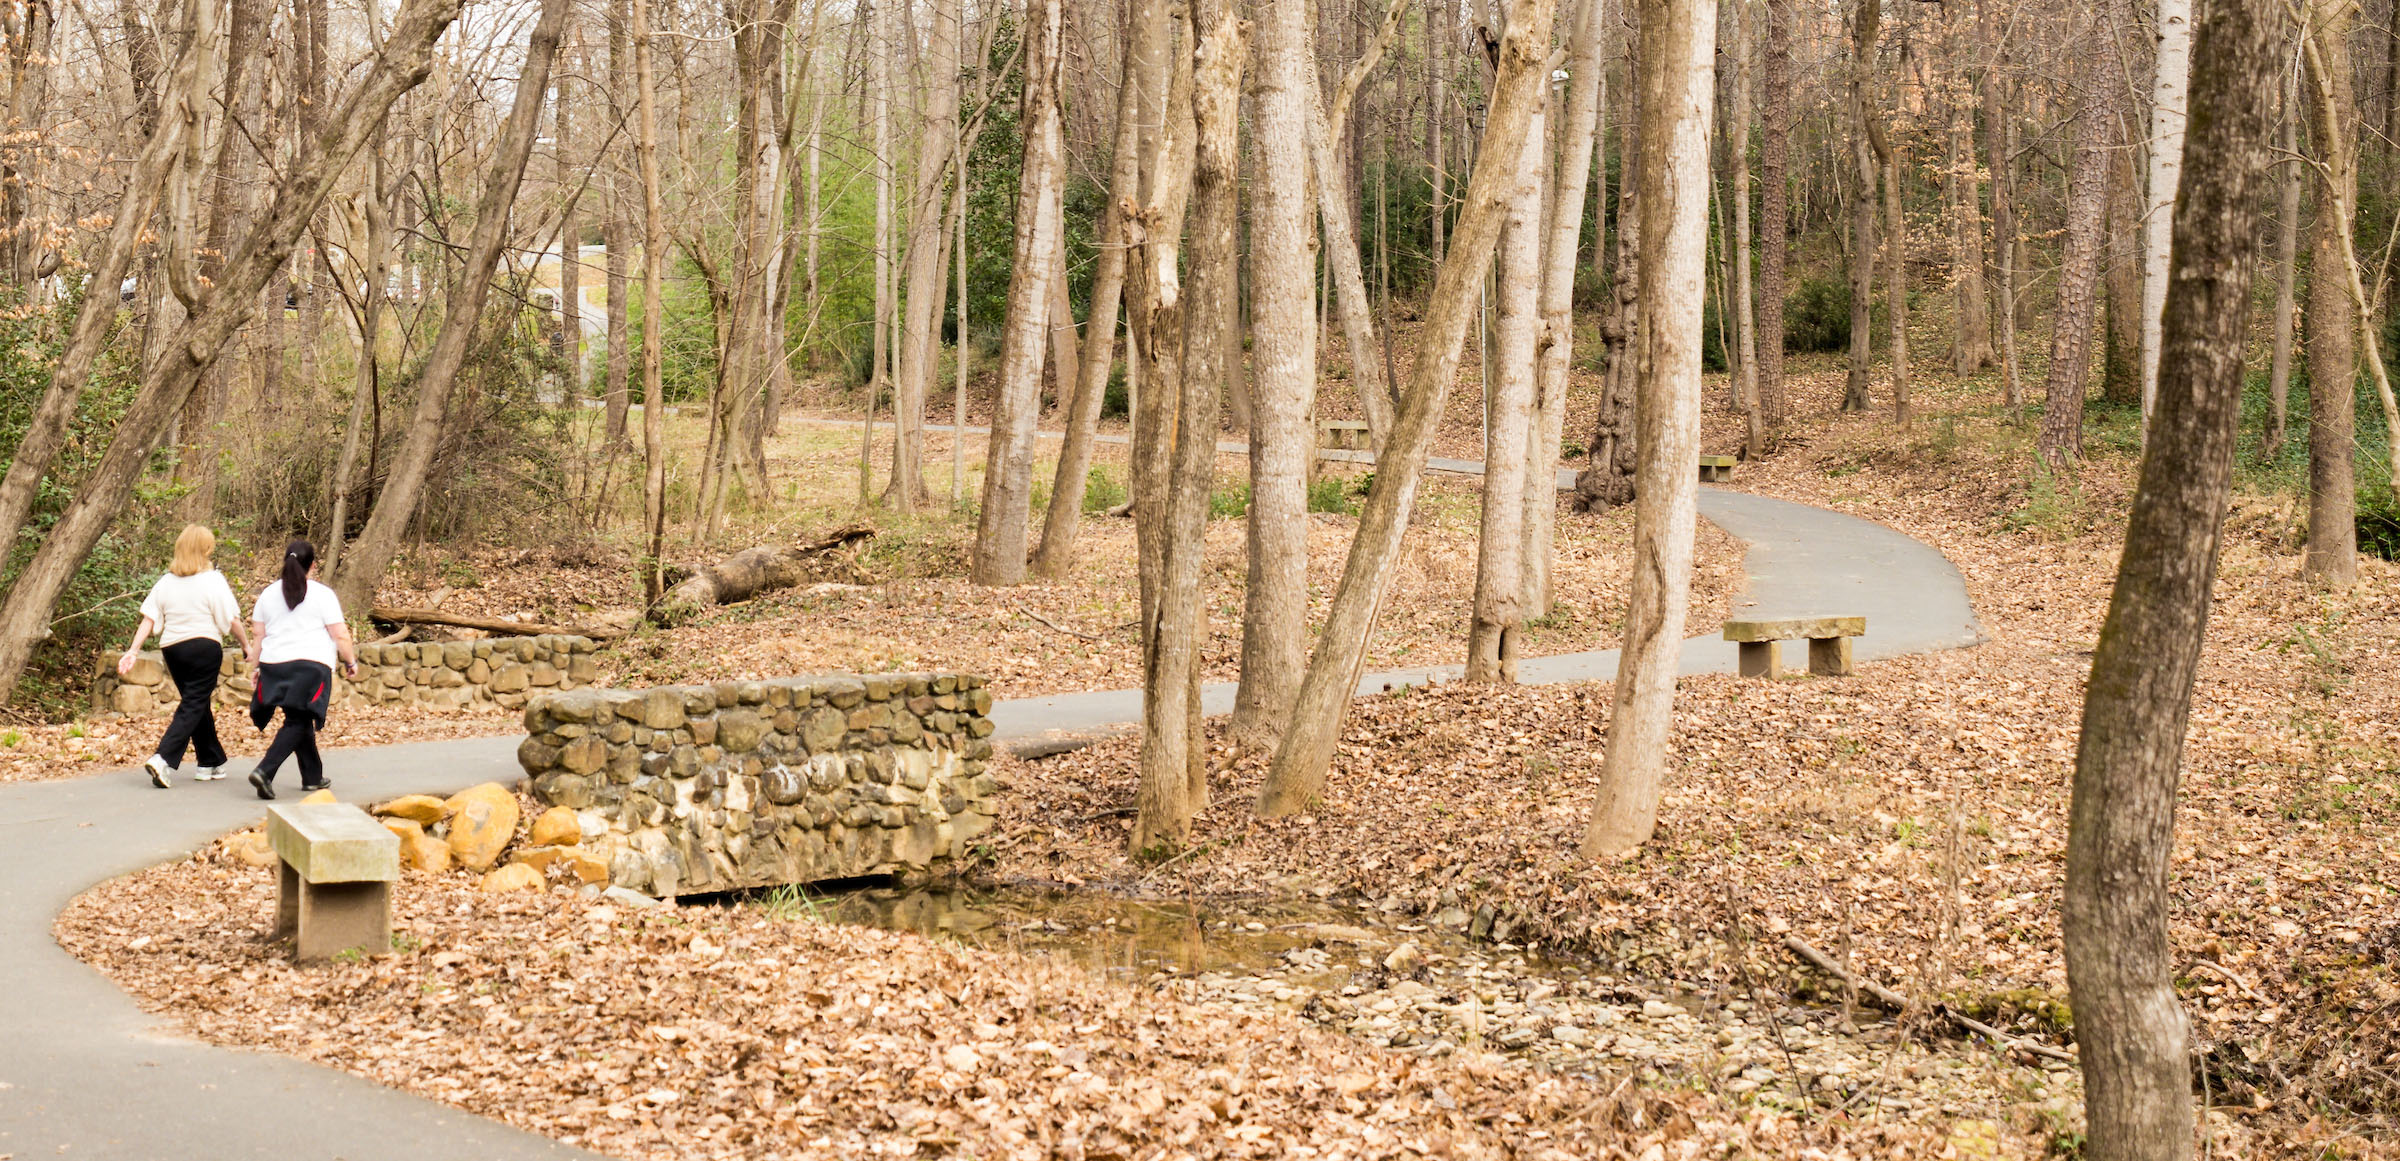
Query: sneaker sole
{"points": [[265, 791]]}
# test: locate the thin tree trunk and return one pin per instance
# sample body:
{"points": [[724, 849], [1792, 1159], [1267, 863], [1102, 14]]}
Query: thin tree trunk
{"points": [[1173, 766], [1607, 479], [619, 240], [1154, 327], [396, 502], [2061, 439], [1754, 440], [654, 299], [1972, 351], [920, 342], [2166, 171], [878, 344], [2287, 250], [1774, 201], [1586, 69], [1284, 344], [1866, 26], [2001, 147], [1499, 602], [1895, 284], [2130, 1025], [2331, 556], [1343, 268], [1008, 465], [1678, 45], [401, 64], [1297, 776], [369, 387], [570, 239], [2121, 334]]}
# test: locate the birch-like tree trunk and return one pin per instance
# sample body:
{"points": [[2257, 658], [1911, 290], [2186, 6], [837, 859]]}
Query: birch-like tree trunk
{"points": [[1297, 776], [1173, 766], [1499, 603], [1586, 76], [1000, 531], [2174, 73], [320, 166], [2130, 1026], [1284, 347], [404, 484], [1678, 51]]}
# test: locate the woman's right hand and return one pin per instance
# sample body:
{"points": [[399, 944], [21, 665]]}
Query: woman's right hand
{"points": [[125, 662]]}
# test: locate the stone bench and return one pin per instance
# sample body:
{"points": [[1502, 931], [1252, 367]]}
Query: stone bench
{"points": [[1716, 469], [334, 889], [1828, 643], [1338, 435]]}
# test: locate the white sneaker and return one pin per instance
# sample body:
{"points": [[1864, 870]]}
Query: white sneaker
{"points": [[158, 771], [209, 774]]}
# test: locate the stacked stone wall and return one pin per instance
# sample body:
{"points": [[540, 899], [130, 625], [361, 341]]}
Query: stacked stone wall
{"points": [[703, 788], [502, 671]]}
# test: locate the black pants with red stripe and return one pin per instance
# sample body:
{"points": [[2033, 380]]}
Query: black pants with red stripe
{"points": [[296, 738]]}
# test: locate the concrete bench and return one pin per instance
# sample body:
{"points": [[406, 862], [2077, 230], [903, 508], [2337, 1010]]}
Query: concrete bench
{"points": [[1828, 643], [1338, 435], [336, 869], [1716, 469]]}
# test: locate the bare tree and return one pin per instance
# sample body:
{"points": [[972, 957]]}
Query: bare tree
{"points": [[2287, 251], [2061, 438], [1008, 465], [1284, 344], [920, 345], [619, 237], [402, 63], [1678, 51], [1745, 326], [396, 502], [654, 299], [1297, 776], [1866, 25], [2331, 558], [2174, 31], [2129, 1023], [1774, 201], [1499, 608], [1586, 80]]}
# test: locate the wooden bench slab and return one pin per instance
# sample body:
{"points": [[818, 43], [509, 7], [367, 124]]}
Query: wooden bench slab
{"points": [[336, 866], [1828, 643]]}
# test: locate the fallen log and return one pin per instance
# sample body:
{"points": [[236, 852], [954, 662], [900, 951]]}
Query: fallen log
{"points": [[750, 572], [398, 616], [1883, 997]]}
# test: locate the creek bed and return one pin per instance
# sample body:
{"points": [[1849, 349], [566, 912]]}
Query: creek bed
{"points": [[1433, 991]]}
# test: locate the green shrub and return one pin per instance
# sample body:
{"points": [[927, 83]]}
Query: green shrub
{"points": [[1101, 491], [1329, 493], [1229, 501], [1117, 400], [1816, 314]]}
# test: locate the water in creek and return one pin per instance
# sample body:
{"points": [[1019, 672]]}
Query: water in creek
{"points": [[1433, 991]]}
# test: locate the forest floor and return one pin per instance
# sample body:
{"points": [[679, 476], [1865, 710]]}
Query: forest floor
{"points": [[1909, 822]]}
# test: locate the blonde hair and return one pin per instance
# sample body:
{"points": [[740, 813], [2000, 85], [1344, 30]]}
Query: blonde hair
{"points": [[192, 549]]}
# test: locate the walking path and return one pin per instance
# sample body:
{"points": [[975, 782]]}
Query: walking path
{"points": [[85, 1073]]}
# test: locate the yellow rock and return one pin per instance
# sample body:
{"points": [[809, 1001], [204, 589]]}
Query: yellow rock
{"points": [[557, 827], [538, 858], [422, 809], [419, 851], [250, 848], [513, 877], [482, 820], [588, 867], [325, 795]]}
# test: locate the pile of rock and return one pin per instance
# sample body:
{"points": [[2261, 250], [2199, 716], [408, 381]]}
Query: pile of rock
{"points": [[701, 788], [473, 829], [503, 671]]}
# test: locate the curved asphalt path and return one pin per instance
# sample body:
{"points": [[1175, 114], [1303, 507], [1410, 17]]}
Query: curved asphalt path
{"points": [[85, 1073]]}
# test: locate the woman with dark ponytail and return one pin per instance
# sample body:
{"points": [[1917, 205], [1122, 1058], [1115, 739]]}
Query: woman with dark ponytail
{"points": [[300, 634]]}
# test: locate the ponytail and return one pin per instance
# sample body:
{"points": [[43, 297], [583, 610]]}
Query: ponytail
{"points": [[298, 557]]}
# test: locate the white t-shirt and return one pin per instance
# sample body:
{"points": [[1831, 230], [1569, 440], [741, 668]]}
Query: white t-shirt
{"points": [[184, 607], [297, 634]]}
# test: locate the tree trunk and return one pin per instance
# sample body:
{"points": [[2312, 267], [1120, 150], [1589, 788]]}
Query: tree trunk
{"points": [[1008, 465], [2061, 440], [1154, 326], [1061, 522], [654, 299], [1677, 57], [1499, 603], [396, 502], [619, 240], [1586, 74], [1297, 776], [570, 240], [2001, 147], [1343, 269], [1174, 768], [367, 391], [403, 62], [1284, 345], [2121, 337], [2166, 170], [1972, 350], [1866, 26], [1774, 202], [2129, 1025], [920, 336], [47, 429], [2287, 251], [1745, 324], [1607, 479], [2331, 557]]}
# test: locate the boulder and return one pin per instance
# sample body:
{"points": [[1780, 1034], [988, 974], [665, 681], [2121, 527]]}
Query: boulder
{"points": [[250, 849], [482, 821], [513, 877], [538, 858], [586, 866], [419, 851], [421, 809], [325, 795], [556, 827]]}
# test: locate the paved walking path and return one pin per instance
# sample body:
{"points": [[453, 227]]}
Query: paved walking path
{"points": [[86, 1074]]}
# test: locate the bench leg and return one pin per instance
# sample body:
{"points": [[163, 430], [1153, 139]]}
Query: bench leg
{"points": [[287, 900], [1759, 659], [1829, 656], [339, 917]]}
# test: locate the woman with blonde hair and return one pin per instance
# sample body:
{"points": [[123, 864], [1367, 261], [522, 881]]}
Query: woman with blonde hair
{"points": [[300, 634], [190, 608]]}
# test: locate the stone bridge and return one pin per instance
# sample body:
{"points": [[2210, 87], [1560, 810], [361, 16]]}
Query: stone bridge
{"points": [[697, 788]]}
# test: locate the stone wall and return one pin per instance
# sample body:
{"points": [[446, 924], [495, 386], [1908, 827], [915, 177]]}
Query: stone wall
{"points": [[502, 671], [700, 788]]}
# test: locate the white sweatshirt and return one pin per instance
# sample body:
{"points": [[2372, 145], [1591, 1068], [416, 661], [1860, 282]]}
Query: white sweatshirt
{"points": [[184, 607]]}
